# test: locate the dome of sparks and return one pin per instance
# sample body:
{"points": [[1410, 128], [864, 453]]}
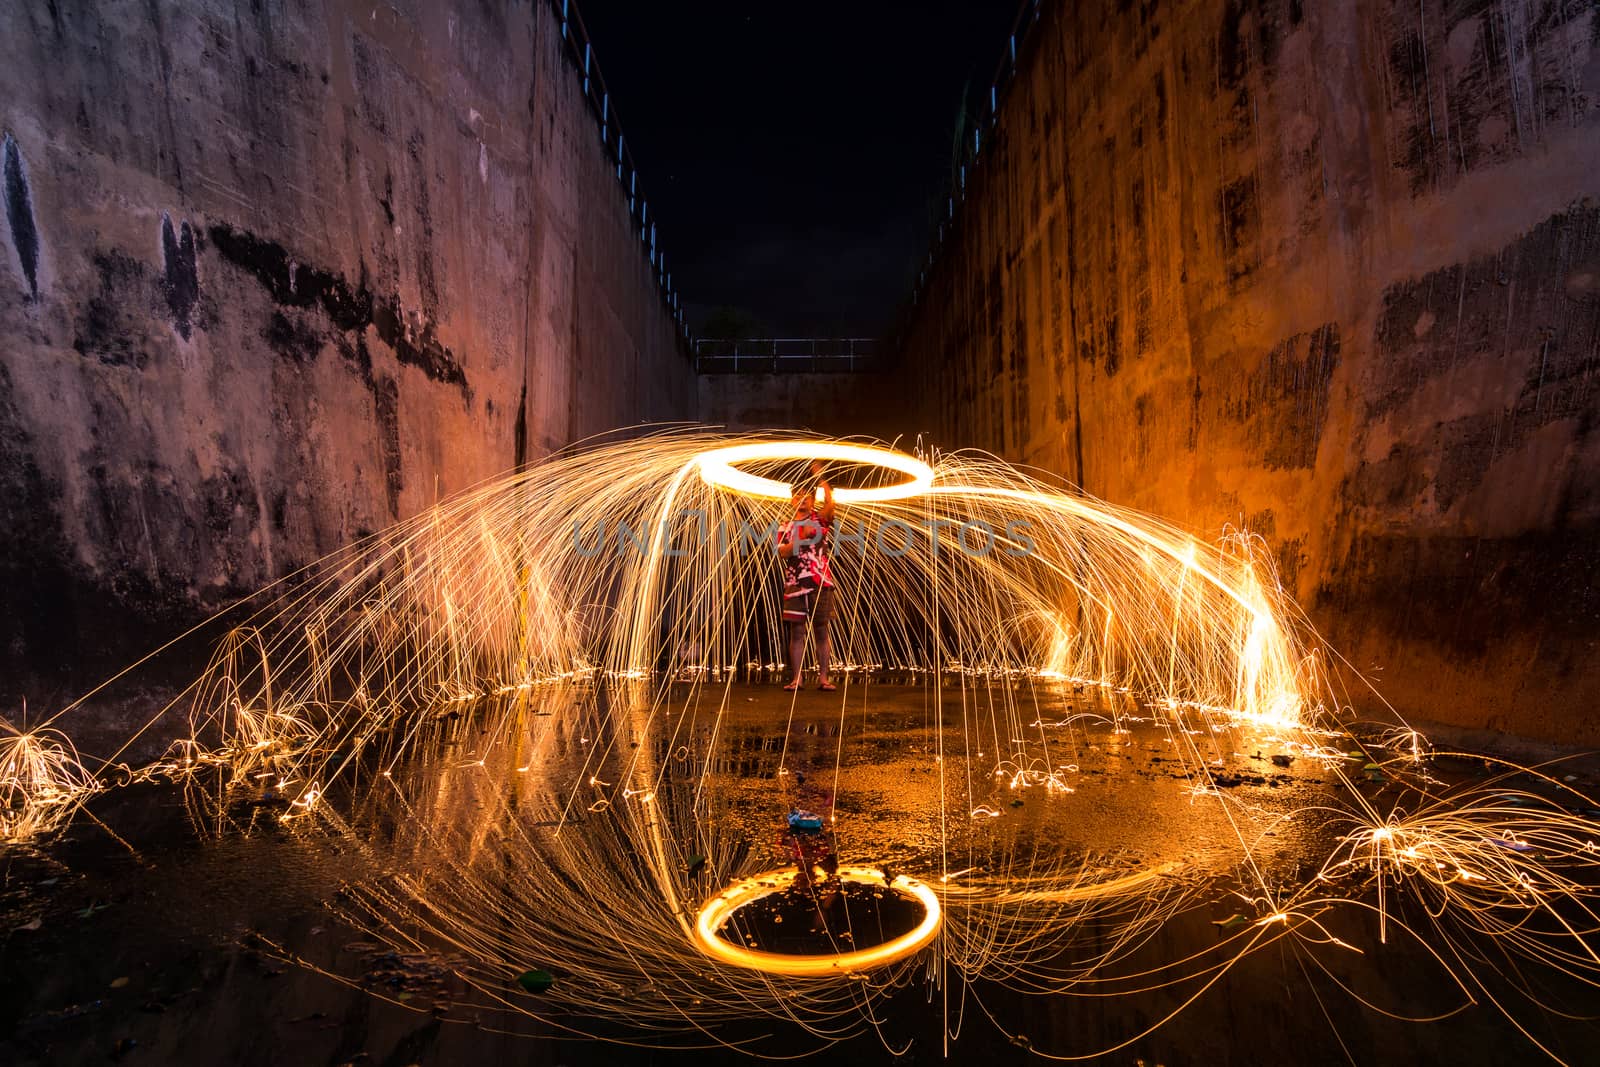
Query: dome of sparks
{"points": [[533, 712]]}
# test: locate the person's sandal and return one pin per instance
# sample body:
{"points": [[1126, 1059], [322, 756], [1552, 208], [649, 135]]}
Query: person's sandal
{"points": [[826, 687], [792, 686]]}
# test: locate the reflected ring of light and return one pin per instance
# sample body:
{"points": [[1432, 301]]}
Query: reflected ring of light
{"points": [[718, 468], [720, 908]]}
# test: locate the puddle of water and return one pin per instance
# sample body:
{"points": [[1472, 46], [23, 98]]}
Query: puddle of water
{"points": [[573, 839]]}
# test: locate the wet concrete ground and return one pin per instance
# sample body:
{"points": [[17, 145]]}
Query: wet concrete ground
{"points": [[134, 939]]}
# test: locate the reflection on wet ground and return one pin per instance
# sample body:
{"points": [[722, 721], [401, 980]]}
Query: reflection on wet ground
{"points": [[825, 918], [513, 843]]}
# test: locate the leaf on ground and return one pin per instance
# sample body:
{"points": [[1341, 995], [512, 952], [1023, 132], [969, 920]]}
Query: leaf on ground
{"points": [[536, 981], [32, 924]]}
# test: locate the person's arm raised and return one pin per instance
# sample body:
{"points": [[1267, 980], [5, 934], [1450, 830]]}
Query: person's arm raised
{"points": [[826, 510]]}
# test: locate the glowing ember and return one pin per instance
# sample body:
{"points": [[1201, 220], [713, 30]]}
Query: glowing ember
{"points": [[42, 784]]}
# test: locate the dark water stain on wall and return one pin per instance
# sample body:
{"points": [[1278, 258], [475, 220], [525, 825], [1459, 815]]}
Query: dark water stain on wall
{"points": [[19, 213], [1284, 402], [352, 309], [1298, 372], [354, 351], [386, 201], [520, 439], [110, 324], [1233, 73], [121, 320], [1479, 83], [1392, 483], [1468, 593], [1239, 223], [386, 407], [1141, 426], [34, 569], [229, 505], [1467, 447], [427, 282], [294, 339], [1408, 69], [1290, 559], [180, 280], [1111, 338], [1536, 303], [367, 70]]}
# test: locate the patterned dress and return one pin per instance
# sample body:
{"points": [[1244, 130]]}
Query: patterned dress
{"points": [[805, 570]]}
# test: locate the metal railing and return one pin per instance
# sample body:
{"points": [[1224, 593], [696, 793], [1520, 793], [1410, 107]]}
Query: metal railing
{"points": [[580, 50], [974, 137], [786, 355]]}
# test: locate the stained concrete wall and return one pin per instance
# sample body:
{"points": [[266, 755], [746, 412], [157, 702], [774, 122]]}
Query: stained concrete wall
{"points": [[1328, 270], [842, 404], [278, 275]]}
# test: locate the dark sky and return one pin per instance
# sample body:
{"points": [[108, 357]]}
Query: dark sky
{"points": [[793, 152]]}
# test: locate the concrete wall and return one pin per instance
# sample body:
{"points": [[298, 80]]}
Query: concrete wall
{"points": [[837, 404], [1329, 270], [279, 274]]}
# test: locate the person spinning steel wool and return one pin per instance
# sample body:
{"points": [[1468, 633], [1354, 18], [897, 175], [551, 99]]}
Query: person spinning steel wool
{"points": [[808, 589]]}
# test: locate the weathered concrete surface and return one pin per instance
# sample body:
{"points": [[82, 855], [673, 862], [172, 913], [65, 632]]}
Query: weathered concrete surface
{"points": [[1331, 271], [276, 275], [838, 404]]}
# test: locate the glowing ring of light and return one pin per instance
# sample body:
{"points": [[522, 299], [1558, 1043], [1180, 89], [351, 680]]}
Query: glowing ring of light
{"points": [[720, 908], [717, 468]]}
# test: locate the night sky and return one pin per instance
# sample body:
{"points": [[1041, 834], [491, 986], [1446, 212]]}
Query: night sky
{"points": [[795, 153]]}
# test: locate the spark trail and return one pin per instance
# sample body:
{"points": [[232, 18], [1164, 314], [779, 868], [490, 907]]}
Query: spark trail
{"points": [[589, 618]]}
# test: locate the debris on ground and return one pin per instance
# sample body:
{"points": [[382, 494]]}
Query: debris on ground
{"points": [[536, 981]]}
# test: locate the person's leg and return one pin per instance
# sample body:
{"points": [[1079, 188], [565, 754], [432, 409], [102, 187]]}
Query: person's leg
{"points": [[822, 626], [797, 651]]}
